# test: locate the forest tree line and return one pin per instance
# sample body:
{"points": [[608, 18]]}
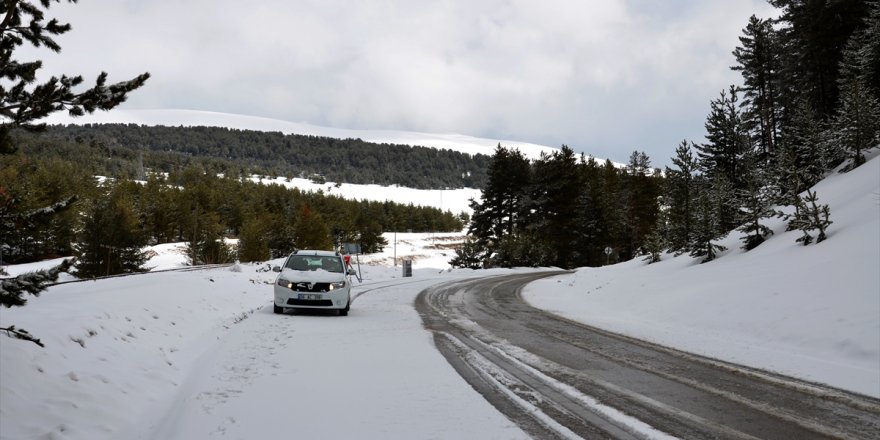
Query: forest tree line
{"points": [[808, 104], [108, 222], [126, 150]]}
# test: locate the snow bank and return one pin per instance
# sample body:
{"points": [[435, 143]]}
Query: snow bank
{"points": [[811, 312]]}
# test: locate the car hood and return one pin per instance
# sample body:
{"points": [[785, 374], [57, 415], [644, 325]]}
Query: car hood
{"points": [[311, 276]]}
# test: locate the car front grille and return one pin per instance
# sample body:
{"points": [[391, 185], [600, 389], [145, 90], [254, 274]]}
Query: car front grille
{"points": [[306, 302], [311, 287]]}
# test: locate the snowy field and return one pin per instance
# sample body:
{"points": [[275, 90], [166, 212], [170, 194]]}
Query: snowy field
{"points": [[810, 312], [452, 200]]}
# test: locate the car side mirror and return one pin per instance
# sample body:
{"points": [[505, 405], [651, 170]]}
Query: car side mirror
{"points": [[276, 269], [351, 271]]}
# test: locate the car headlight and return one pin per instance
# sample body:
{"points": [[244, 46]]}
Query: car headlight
{"points": [[338, 285], [284, 283]]}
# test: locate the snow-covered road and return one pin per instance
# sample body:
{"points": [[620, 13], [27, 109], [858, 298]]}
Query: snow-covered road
{"points": [[372, 374]]}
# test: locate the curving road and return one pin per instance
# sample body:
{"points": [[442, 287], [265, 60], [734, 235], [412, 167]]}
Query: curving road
{"points": [[560, 379]]}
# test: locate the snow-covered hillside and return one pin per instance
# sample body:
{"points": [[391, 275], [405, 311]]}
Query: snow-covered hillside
{"points": [[174, 117], [812, 312]]}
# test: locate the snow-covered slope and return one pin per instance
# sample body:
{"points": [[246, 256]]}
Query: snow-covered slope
{"points": [[811, 312], [174, 117]]}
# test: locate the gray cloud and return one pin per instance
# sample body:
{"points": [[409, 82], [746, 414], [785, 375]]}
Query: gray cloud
{"points": [[604, 77]]}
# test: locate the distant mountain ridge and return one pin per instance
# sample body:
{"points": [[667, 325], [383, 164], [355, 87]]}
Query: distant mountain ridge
{"points": [[129, 150], [191, 118]]}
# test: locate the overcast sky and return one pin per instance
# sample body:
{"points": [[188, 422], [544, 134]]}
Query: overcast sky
{"points": [[604, 77]]}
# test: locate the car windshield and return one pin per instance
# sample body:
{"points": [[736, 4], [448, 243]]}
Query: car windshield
{"points": [[315, 262]]}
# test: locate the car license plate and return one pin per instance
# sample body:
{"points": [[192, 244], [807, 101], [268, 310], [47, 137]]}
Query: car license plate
{"points": [[309, 296]]}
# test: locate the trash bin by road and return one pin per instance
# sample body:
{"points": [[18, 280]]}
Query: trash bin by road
{"points": [[407, 268]]}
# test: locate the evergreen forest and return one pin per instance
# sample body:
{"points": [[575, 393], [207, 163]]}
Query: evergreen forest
{"points": [[107, 217], [127, 150], [808, 104]]}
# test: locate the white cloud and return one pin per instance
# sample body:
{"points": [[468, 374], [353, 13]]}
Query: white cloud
{"points": [[605, 77]]}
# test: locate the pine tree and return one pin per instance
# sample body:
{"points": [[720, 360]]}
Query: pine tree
{"points": [[812, 35], [12, 292], [205, 244], [22, 102], [253, 242], [502, 210], [871, 51], [810, 151], [111, 239], [369, 233], [654, 242], [524, 250], [13, 221], [555, 188], [311, 230], [758, 198], [857, 123], [707, 227], [640, 205], [810, 217], [469, 255], [758, 60], [721, 157], [589, 220], [680, 194]]}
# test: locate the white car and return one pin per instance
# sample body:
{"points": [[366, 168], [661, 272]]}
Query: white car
{"points": [[313, 280]]}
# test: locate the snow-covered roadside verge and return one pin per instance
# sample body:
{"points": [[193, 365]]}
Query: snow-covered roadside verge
{"points": [[114, 347], [811, 312]]}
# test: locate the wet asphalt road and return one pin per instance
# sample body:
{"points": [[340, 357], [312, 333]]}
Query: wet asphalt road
{"points": [[559, 379]]}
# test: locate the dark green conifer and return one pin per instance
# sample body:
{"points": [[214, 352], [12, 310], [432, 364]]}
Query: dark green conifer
{"points": [[810, 217], [680, 194], [707, 228], [469, 255], [111, 239]]}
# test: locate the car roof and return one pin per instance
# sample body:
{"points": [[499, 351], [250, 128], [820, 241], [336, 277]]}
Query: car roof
{"points": [[316, 253]]}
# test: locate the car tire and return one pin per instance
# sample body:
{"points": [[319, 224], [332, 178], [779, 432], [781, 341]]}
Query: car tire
{"points": [[344, 312], [276, 309]]}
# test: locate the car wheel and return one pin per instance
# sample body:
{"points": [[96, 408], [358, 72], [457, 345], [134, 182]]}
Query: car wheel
{"points": [[277, 309], [344, 312]]}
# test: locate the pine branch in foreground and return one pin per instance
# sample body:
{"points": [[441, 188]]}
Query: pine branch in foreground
{"points": [[13, 289], [22, 334]]}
